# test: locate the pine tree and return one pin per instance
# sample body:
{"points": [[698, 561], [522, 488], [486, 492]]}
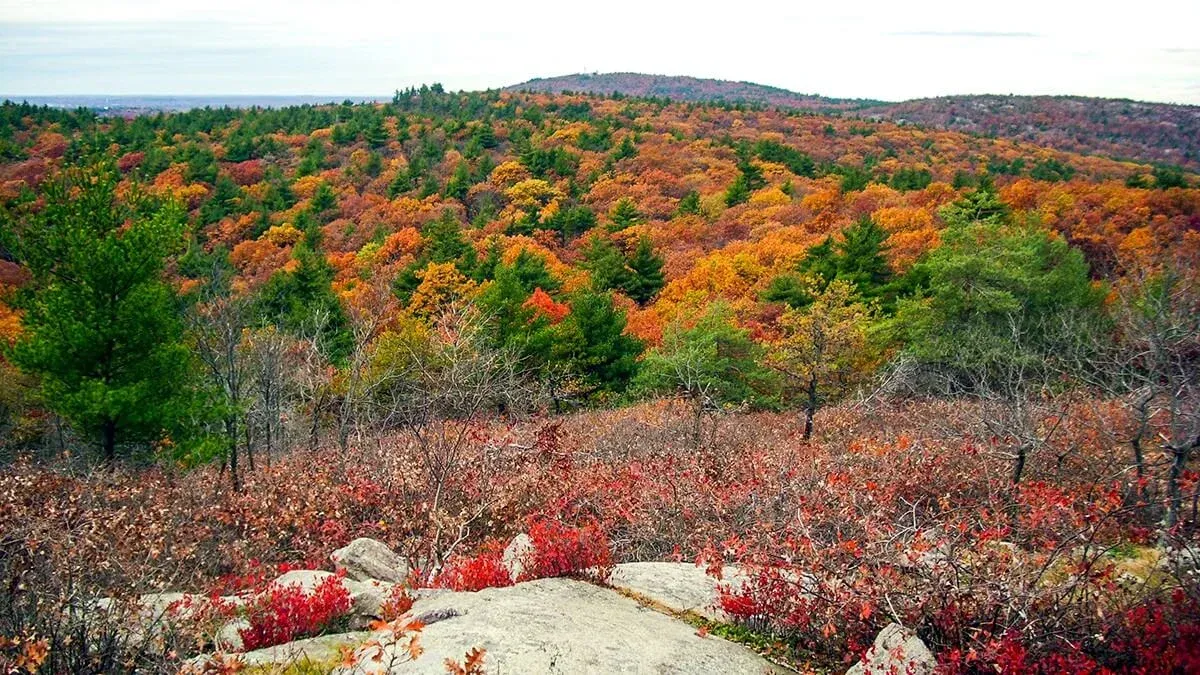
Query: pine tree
{"points": [[624, 214], [738, 192], [303, 302], [861, 259], [606, 265], [689, 205], [591, 341], [101, 325], [459, 183], [647, 278]]}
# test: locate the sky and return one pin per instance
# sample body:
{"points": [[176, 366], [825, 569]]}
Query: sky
{"points": [[1148, 50]]}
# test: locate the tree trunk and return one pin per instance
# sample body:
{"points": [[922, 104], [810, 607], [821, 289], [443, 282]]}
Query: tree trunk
{"points": [[231, 432], [1179, 457], [108, 441], [314, 431], [1019, 465], [810, 410], [249, 443], [1139, 461], [267, 431]]}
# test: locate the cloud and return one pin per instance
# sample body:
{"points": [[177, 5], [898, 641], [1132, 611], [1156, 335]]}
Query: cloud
{"points": [[966, 34]]}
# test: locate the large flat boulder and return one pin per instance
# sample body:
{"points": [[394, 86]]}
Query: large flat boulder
{"points": [[316, 655], [679, 587], [561, 626]]}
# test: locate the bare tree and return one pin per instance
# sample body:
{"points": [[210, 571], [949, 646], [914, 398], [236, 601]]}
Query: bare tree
{"points": [[435, 391], [217, 330], [1159, 324], [272, 355]]}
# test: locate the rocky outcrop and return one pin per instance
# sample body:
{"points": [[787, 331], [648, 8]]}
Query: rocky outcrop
{"points": [[559, 626], [679, 587], [318, 654], [896, 651], [365, 559]]}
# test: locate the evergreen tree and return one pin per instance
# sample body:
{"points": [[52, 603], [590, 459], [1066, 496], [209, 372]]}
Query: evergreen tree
{"points": [[606, 265], [738, 192], [647, 275], [592, 343], [982, 205], [374, 133], [223, 202], [711, 363], [443, 243], [303, 302], [689, 205], [861, 260], [486, 269], [820, 262], [531, 272], [459, 183], [626, 149], [572, 221], [323, 203], [624, 214], [996, 296], [513, 324], [101, 324]]}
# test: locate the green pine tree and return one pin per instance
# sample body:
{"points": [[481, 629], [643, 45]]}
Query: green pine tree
{"points": [[647, 275], [101, 324], [592, 343]]}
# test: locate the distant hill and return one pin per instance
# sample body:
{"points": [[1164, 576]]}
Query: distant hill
{"points": [[131, 105], [684, 88], [1146, 132]]}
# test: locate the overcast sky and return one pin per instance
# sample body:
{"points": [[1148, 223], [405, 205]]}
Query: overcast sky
{"points": [[1147, 50]]}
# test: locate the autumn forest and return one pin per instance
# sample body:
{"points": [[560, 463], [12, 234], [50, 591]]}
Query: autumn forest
{"points": [[895, 372]]}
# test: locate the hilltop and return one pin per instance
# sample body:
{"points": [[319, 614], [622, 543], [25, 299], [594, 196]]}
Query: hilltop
{"points": [[1123, 129], [685, 88]]}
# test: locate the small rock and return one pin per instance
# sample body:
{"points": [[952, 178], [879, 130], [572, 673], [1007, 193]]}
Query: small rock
{"points": [[229, 637], [896, 651], [364, 559], [1181, 560], [518, 555], [318, 654]]}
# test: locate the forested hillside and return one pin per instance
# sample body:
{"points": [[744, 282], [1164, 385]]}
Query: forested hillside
{"points": [[1141, 131], [1148, 132], [895, 373]]}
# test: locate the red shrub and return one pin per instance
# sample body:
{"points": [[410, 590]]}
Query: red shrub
{"points": [[130, 161], [561, 550], [485, 570], [285, 613], [256, 575]]}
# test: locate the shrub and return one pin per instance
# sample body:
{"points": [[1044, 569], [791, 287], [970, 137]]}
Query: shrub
{"points": [[284, 613], [561, 550], [485, 570]]}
